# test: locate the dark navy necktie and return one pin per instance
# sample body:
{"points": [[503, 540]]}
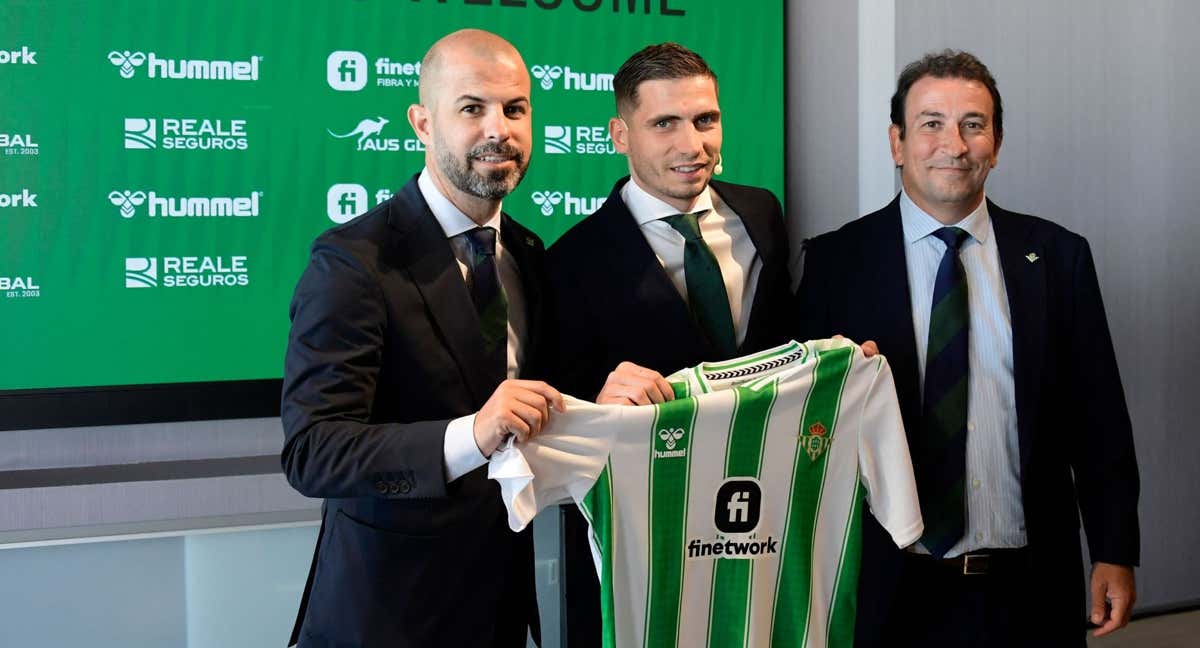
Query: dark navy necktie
{"points": [[488, 297], [941, 452]]}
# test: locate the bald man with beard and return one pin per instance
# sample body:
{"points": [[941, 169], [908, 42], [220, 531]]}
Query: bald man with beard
{"points": [[410, 328]]}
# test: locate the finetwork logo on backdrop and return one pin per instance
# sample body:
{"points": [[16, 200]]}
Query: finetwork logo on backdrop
{"points": [[128, 201], [23, 56], [367, 136], [18, 144], [582, 140], [174, 133], [347, 71], [548, 201], [128, 62], [186, 271], [25, 198], [346, 200], [548, 76]]}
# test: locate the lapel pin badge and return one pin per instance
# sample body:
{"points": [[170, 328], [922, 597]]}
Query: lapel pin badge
{"points": [[1032, 257]]}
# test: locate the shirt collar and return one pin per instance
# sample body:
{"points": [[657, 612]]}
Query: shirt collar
{"points": [[451, 218], [918, 223], [646, 208]]}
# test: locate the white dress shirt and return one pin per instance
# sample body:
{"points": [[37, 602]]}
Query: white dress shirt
{"points": [[995, 514], [723, 232], [462, 454]]}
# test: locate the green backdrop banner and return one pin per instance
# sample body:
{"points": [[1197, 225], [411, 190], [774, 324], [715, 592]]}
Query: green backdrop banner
{"points": [[165, 166]]}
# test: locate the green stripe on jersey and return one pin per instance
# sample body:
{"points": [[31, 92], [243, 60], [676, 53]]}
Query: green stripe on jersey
{"points": [[793, 588], [729, 607], [670, 463], [844, 607], [597, 508]]}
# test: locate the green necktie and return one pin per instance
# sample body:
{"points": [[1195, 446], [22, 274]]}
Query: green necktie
{"points": [[706, 294]]}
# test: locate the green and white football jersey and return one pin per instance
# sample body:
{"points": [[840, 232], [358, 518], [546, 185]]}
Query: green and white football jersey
{"points": [[731, 515]]}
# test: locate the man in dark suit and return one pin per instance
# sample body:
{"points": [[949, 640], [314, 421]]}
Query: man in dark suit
{"points": [[995, 330], [674, 269], [408, 328]]}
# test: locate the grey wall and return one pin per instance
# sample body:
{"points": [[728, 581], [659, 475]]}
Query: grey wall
{"points": [[1100, 106]]}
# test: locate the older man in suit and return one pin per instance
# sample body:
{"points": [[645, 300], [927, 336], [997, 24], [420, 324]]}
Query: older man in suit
{"points": [[1008, 384], [409, 327]]}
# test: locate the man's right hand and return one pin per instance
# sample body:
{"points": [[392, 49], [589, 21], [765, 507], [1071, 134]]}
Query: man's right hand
{"points": [[517, 407], [630, 384]]}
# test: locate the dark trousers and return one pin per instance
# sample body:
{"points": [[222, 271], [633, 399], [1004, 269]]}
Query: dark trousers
{"points": [[938, 605]]}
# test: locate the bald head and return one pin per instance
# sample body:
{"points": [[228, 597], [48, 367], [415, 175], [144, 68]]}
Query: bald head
{"points": [[474, 49]]}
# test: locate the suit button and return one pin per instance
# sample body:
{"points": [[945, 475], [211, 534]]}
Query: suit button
{"points": [[382, 487], [393, 488], [405, 487]]}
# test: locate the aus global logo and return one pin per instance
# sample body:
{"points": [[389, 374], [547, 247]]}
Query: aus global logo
{"points": [[548, 201], [367, 136]]}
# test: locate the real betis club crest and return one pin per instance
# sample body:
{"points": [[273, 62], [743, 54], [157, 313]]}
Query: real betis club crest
{"points": [[816, 441]]}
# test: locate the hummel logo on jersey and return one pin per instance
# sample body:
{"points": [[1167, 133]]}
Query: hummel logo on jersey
{"points": [[738, 506], [575, 205], [23, 56], [586, 81], [668, 439], [161, 68], [816, 441]]}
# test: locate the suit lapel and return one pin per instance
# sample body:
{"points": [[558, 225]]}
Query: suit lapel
{"points": [[754, 219], [434, 270], [1025, 285], [631, 256], [892, 306], [525, 247]]}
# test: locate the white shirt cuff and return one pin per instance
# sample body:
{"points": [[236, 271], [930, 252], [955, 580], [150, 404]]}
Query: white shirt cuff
{"points": [[461, 453]]}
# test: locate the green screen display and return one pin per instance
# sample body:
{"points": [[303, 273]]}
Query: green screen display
{"points": [[164, 167]]}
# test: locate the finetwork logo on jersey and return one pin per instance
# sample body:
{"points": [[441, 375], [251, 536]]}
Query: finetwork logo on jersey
{"points": [[737, 512], [186, 271], [346, 200], [584, 140], [23, 56], [186, 133], [19, 144], [367, 135], [548, 76], [25, 198], [347, 71], [128, 62], [128, 201], [547, 201]]}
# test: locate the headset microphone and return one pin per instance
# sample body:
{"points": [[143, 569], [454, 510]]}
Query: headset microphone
{"points": [[719, 168]]}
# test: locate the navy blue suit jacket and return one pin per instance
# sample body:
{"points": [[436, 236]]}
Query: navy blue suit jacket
{"points": [[385, 349], [1076, 446]]}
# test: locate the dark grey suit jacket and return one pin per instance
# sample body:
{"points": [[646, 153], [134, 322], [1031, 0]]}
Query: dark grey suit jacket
{"points": [[1076, 445], [384, 351]]}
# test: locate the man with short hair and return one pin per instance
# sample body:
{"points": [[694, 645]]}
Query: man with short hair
{"points": [[674, 269], [994, 327], [409, 328]]}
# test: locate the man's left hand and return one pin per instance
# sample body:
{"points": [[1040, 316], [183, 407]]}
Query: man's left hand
{"points": [[1113, 594]]}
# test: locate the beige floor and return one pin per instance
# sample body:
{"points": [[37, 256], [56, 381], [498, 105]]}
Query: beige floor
{"points": [[1168, 631]]}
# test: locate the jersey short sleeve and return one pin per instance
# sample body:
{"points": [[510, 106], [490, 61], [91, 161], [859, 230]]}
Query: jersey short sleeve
{"points": [[884, 459]]}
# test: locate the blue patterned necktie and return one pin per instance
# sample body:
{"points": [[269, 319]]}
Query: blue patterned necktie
{"points": [[488, 296], [707, 298], [941, 452]]}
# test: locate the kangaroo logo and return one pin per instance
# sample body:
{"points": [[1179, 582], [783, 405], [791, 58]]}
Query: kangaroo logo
{"points": [[547, 200], [127, 200], [366, 128], [547, 74], [670, 437], [127, 61]]}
